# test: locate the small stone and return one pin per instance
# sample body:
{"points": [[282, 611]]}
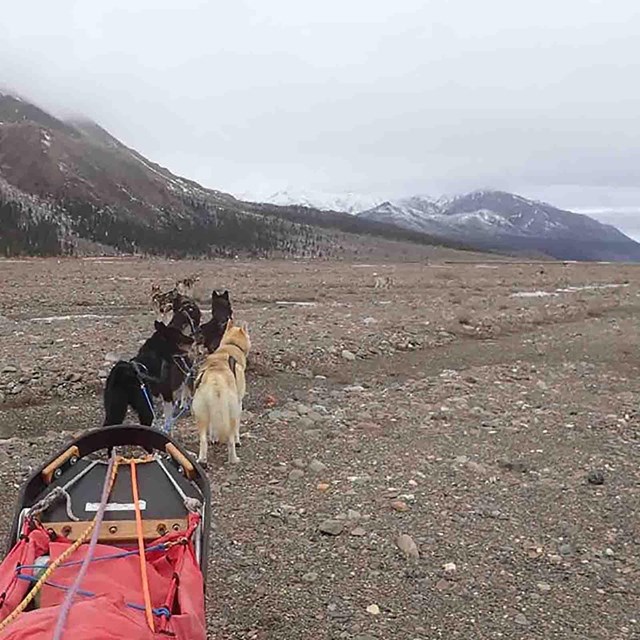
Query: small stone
{"points": [[302, 409], [310, 577], [408, 547], [305, 422], [373, 609], [399, 505], [595, 476], [609, 552], [9, 368], [317, 467], [353, 515], [521, 620], [348, 355], [331, 527], [322, 486], [565, 549], [544, 587], [296, 474], [358, 532], [450, 567], [298, 463]]}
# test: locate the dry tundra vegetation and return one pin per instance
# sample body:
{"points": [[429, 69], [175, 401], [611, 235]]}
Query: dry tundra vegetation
{"points": [[453, 457]]}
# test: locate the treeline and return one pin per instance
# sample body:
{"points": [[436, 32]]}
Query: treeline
{"points": [[24, 232], [207, 233]]}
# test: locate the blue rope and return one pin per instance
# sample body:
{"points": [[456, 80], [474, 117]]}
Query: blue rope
{"points": [[143, 386], [160, 611], [113, 556]]}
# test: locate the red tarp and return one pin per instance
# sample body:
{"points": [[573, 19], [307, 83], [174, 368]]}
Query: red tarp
{"points": [[174, 578]]}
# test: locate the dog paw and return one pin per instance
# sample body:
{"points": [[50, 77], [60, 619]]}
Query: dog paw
{"points": [[203, 463], [234, 460]]}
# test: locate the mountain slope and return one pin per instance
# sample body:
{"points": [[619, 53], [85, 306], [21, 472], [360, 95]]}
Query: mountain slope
{"points": [[506, 222], [66, 185]]}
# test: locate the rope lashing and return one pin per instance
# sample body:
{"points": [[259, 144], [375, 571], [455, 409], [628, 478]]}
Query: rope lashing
{"points": [[109, 481], [143, 562], [26, 601]]}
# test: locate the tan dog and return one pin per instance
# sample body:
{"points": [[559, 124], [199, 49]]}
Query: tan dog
{"points": [[382, 282], [219, 390]]}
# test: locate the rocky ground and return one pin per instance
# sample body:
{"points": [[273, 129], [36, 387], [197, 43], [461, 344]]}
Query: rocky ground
{"points": [[455, 457]]}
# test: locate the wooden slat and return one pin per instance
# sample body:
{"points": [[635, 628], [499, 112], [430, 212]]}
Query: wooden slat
{"points": [[49, 470], [181, 459], [119, 530]]}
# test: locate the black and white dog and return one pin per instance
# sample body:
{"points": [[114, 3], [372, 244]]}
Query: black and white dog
{"points": [[161, 367]]}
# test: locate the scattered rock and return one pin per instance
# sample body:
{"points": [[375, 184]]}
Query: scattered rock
{"points": [[408, 547], [348, 355], [358, 532], [595, 476], [296, 474], [450, 567], [310, 577], [544, 587], [354, 515], [373, 609], [399, 505], [316, 466], [521, 620], [331, 527], [322, 486], [513, 465], [9, 368]]}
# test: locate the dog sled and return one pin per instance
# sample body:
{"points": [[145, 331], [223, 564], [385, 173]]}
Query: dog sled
{"points": [[109, 541]]}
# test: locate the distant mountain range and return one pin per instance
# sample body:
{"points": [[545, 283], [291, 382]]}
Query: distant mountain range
{"points": [[68, 187], [507, 222], [492, 220]]}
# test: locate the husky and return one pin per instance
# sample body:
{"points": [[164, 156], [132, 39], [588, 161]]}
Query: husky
{"points": [[163, 302], [382, 282], [186, 286], [153, 372], [219, 390]]}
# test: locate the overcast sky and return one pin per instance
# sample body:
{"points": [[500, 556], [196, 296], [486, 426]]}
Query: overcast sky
{"points": [[390, 97]]}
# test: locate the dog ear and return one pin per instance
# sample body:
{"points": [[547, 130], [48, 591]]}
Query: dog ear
{"points": [[225, 295], [159, 326], [229, 324], [244, 326]]}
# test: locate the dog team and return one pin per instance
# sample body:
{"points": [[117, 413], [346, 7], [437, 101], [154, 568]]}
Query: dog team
{"points": [[165, 363]]}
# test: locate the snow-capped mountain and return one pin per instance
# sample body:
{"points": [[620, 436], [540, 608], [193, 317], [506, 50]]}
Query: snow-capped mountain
{"points": [[346, 202], [504, 221]]}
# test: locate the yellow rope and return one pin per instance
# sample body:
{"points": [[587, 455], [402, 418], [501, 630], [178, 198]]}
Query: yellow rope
{"points": [[56, 563]]}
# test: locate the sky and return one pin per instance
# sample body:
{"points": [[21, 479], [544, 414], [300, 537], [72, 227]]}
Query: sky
{"points": [[370, 96]]}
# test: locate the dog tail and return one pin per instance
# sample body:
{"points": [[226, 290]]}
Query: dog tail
{"points": [[116, 393], [215, 408]]}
